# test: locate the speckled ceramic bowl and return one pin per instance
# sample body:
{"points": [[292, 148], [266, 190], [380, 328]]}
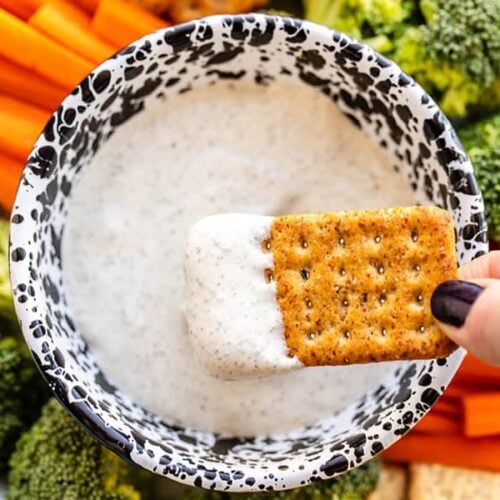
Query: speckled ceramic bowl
{"points": [[375, 95]]}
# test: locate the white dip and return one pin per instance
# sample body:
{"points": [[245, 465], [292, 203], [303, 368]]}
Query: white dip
{"points": [[258, 150], [233, 315]]}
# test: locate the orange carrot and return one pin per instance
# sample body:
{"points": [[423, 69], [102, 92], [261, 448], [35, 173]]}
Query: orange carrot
{"points": [[479, 453], [482, 414], [473, 371], [20, 8], [20, 126], [21, 83], [52, 21], [88, 5], [434, 423], [24, 45], [120, 22], [457, 391], [70, 11], [10, 173], [447, 406]]}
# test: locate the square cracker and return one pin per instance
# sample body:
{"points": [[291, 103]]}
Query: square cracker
{"points": [[391, 485], [355, 287], [438, 482]]}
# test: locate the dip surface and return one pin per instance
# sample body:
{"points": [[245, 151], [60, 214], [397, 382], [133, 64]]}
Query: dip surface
{"points": [[243, 149]]}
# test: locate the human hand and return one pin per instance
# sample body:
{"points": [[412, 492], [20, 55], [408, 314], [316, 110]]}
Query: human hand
{"points": [[468, 309]]}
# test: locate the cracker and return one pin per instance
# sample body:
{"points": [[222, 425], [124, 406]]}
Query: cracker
{"points": [[155, 6], [187, 10], [391, 485], [438, 482], [355, 287]]}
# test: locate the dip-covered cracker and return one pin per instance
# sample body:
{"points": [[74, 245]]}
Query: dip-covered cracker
{"points": [[269, 294]]}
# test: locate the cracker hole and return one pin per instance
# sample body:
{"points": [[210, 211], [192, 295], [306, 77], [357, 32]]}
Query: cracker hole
{"points": [[305, 274], [304, 244], [342, 271], [342, 242], [309, 303], [380, 268], [346, 361], [383, 332], [382, 299], [417, 268], [414, 236], [347, 334], [419, 298], [345, 303], [421, 329], [266, 245], [378, 238], [338, 288], [268, 275], [311, 335], [364, 298]]}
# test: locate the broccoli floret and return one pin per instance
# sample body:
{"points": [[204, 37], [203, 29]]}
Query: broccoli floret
{"points": [[466, 35], [451, 47], [8, 322], [374, 21], [57, 459], [453, 89], [354, 485], [22, 393], [482, 143]]}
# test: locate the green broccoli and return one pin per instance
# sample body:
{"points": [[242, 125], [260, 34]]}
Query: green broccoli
{"points": [[354, 485], [451, 47], [466, 35], [8, 322], [375, 21], [57, 459], [482, 143], [22, 393]]}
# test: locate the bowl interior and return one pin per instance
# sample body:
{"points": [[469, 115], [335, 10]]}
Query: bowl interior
{"points": [[387, 105]]}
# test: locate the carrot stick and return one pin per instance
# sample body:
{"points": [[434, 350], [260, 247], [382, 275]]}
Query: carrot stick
{"points": [[70, 11], [120, 22], [479, 453], [10, 173], [482, 414], [20, 8], [458, 390], [21, 83], [473, 371], [52, 21], [24, 45], [89, 6], [20, 126], [434, 423], [447, 406]]}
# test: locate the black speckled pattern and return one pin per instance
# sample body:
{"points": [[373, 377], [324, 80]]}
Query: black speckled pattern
{"points": [[375, 95]]}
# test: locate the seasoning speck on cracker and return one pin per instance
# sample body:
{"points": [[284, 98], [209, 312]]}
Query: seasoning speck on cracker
{"points": [[268, 294]]}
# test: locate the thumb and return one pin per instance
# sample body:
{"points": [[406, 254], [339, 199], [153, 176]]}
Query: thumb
{"points": [[470, 315]]}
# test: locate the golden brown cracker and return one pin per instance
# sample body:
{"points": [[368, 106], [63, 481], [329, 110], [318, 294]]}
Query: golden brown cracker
{"points": [[355, 287], [155, 6], [391, 485], [187, 10], [438, 482]]}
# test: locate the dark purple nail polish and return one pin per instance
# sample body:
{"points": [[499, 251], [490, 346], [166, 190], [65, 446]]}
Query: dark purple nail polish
{"points": [[452, 300]]}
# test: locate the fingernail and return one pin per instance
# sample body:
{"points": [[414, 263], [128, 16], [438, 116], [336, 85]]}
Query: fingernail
{"points": [[452, 300]]}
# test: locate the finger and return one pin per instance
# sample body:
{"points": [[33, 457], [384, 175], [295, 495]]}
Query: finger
{"points": [[486, 266], [470, 316]]}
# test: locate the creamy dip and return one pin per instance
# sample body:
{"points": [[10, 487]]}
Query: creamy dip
{"points": [[232, 313], [242, 149]]}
